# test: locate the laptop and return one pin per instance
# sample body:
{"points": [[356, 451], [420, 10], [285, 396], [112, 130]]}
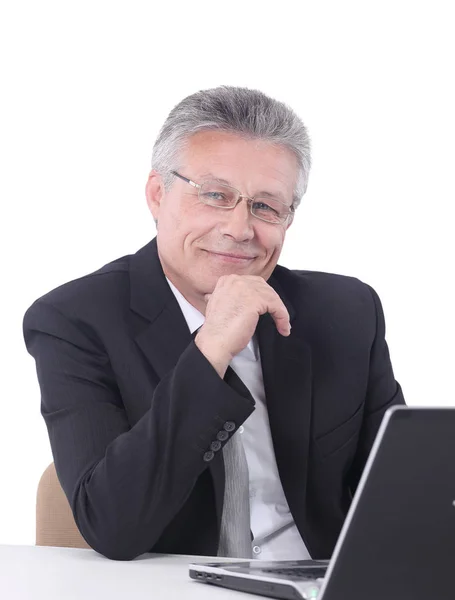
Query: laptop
{"points": [[398, 539]]}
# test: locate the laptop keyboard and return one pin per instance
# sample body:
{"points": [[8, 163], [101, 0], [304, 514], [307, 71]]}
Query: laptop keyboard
{"points": [[303, 572]]}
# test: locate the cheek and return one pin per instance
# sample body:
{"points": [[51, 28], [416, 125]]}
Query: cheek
{"points": [[176, 219], [272, 241], [202, 221]]}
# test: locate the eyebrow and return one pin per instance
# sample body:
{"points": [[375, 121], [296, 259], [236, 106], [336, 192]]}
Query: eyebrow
{"points": [[261, 194]]}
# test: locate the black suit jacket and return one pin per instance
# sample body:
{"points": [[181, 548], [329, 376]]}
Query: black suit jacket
{"points": [[132, 405]]}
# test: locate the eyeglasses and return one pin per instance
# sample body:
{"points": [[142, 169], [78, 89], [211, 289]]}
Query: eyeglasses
{"points": [[219, 195]]}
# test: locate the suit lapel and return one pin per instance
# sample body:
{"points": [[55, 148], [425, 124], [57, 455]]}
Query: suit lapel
{"points": [[162, 333], [286, 368]]}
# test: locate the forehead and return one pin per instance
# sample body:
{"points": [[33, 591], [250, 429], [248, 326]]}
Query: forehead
{"points": [[250, 165]]}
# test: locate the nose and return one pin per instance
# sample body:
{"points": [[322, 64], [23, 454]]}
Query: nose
{"points": [[237, 222]]}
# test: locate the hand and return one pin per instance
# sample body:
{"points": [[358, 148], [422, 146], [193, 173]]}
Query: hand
{"points": [[232, 314]]}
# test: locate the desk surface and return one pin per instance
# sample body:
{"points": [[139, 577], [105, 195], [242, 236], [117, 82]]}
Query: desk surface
{"points": [[45, 573]]}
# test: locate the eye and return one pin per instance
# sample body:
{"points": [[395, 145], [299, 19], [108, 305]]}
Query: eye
{"points": [[217, 196], [263, 207]]}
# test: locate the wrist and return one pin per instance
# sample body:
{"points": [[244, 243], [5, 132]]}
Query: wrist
{"points": [[213, 352]]}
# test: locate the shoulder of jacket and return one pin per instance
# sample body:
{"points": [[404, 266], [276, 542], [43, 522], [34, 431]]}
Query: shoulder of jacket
{"points": [[108, 280], [316, 279]]}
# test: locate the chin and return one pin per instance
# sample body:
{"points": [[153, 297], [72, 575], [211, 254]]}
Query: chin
{"points": [[231, 270]]}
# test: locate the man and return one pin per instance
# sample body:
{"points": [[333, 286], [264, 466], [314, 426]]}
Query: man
{"points": [[184, 413]]}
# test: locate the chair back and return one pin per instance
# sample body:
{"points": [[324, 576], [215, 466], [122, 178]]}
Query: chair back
{"points": [[55, 525]]}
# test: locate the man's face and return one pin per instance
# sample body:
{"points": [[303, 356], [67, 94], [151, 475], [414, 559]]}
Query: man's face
{"points": [[198, 243]]}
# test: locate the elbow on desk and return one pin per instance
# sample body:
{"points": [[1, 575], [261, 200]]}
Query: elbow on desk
{"points": [[113, 549], [111, 541], [119, 554], [114, 531]]}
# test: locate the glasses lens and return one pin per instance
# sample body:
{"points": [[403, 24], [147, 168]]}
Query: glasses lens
{"points": [[269, 209], [217, 194]]}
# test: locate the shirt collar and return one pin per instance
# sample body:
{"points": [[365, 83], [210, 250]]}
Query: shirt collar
{"points": [[196, 319]]}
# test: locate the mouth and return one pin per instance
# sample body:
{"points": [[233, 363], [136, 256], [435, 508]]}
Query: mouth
{"points": [[231, 257]]}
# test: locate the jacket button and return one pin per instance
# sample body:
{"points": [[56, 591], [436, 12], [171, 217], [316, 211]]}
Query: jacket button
{"points": [[222, 436], [215, 446], [229, 426], [208, 456]]}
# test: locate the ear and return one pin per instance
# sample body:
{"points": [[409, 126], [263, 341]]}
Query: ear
{"points": [[154, 192]]}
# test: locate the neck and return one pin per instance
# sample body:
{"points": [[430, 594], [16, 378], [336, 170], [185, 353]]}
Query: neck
{"points": [[195, 299]]}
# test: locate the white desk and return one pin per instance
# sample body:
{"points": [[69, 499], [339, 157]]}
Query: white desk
{"points": [[44, 573]]}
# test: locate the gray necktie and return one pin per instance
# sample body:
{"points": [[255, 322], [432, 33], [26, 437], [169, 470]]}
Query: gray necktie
{"points": [[235, 536]]}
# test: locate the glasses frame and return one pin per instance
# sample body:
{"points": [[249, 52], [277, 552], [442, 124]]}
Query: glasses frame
{"points": [[287, 219]]}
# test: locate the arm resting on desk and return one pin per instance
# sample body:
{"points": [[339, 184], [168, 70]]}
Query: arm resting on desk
{"points": [[124, 484]]}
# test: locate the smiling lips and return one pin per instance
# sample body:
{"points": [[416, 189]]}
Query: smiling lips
{"points": [[229, 256]]}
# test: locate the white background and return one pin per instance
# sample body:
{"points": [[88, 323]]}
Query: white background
{"points": [[85, 87]]}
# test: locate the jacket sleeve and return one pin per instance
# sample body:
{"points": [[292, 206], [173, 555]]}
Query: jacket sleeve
{"points": [[124, 484], [383, 391]]}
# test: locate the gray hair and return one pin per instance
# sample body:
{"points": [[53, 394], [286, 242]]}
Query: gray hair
{"points": [[249, 113]]}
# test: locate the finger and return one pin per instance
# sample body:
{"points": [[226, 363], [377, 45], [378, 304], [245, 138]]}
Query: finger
{"points": [[283, 325], [280, 315]]}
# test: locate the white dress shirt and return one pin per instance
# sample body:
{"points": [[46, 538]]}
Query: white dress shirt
{"points": [[275, 534]]}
